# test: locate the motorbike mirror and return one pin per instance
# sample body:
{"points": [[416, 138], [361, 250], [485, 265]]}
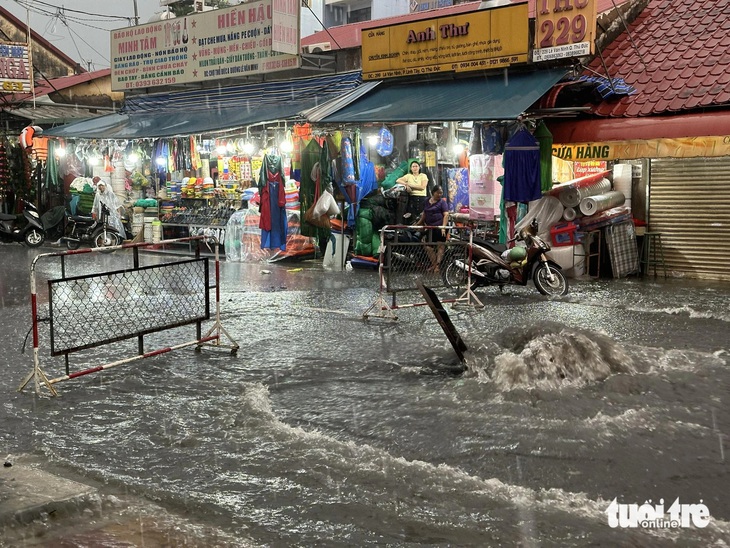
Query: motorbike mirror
{"points": [[534, 224]]}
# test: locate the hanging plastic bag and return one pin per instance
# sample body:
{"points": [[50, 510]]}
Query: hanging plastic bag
{"points": [[385, 142], [321, 221], [326, 205]]}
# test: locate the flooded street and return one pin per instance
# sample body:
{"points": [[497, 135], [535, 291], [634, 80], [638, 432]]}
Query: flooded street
{"points": [[328, 430]]}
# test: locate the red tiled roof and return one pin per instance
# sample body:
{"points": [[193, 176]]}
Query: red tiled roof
{"points": [[40, 40], [676, 55], [348, 36], [45, 87]]}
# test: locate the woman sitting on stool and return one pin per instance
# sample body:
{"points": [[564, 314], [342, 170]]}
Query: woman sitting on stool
{"points": [[435, 213]]}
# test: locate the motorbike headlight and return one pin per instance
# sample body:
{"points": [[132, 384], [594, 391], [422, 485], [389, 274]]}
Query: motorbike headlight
{"points": [[34, 214]]}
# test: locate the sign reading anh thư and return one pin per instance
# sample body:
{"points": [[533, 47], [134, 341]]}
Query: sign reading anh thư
{"points": [[476, 40], [253, 38], [16, 72], [564, 28]]}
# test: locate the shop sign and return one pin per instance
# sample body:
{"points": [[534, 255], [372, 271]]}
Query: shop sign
{"points": [[253, 38], [417, 6], [591, 167], [478, 40], [15, 69], [564, 28], [684, 147]]}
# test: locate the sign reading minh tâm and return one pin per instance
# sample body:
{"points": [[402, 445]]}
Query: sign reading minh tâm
{"points": [[253, 38]]}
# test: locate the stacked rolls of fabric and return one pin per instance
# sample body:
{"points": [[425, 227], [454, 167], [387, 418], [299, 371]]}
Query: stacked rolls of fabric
{"points": [[595, 204], [572, 197]]}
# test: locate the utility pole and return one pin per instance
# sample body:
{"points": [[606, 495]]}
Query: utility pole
{"points": [[136, 14]]}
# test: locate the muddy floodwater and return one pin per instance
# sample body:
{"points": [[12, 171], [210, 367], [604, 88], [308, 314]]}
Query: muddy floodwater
{"points": [[328, 430]]}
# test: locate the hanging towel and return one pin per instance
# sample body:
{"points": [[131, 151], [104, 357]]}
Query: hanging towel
{"points": [[522, 168]]}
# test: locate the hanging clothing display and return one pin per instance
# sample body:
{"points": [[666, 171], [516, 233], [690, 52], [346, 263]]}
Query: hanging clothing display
{"points": [[307, 187], [492, 142], [522, 168], [545, 138], [458, 188], [348, 162], [273, 203]]}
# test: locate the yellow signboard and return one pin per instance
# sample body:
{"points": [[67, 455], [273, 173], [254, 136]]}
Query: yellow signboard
{"points": [[684, 147], [564, 28], [478, 40]]}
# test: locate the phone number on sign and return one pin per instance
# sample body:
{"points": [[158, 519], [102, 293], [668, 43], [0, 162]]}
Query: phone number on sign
{"points": [[149, 82]]}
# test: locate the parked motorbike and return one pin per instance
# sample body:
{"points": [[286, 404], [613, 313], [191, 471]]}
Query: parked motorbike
{"points": [[492, 266], [96, 232], [26, 227]]}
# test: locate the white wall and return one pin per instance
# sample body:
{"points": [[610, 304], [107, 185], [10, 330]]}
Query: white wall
{"points": [[309, 23], [388, 8], [379, 10]]}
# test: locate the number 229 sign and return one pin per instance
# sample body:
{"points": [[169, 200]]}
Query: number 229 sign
{"points": [[564, 28]]}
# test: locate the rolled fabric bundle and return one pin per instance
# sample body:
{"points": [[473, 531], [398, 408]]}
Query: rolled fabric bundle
{"points": [[571, 197], [595, 204], [578, 183], [569, 214]]}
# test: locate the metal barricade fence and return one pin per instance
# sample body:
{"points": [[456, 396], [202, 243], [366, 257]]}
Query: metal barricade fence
{"points": [[408, 255], [134, 300]]}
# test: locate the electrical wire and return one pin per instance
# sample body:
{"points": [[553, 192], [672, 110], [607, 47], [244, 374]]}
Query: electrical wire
{"points": [[306, 4], [68, 18], [28, 3]]}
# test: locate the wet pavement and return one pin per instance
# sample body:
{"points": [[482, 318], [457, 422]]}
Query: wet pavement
{"points": [[328, 430]]}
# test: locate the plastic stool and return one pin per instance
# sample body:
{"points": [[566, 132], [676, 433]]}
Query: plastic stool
{"points": [[652, 253]]}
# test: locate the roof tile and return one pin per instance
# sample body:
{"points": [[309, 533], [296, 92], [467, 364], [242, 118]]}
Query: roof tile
{"points": [[722, 98], [683, 58]]}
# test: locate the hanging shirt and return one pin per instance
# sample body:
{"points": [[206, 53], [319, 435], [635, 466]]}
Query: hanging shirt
{"points": [[522, 168]]}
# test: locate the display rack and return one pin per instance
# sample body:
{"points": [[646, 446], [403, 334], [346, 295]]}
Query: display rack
{"points": [[190, 216]]}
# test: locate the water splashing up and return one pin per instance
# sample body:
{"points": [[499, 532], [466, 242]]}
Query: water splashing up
{"points": [[551, 355]]}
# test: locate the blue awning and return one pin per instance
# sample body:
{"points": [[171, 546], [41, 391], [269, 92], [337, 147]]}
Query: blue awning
{"points": [[212, 110], [498, 97]]}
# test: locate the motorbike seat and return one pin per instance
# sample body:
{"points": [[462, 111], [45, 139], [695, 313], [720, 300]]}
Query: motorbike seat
{"points": [[494, 246], [8, 217], [82, 219]]}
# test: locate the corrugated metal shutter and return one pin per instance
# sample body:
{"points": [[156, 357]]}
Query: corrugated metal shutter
{"points": [[689, 203]]}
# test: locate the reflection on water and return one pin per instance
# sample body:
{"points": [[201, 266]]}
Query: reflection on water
{"points": [[324, 431]]}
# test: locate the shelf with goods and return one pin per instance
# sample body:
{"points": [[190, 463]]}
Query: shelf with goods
{"points": [[193, 209]]}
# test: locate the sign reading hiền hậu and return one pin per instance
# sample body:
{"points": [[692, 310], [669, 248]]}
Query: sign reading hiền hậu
{"points": [[478, 40], [16, 72], [253, 38], [564, 28]]}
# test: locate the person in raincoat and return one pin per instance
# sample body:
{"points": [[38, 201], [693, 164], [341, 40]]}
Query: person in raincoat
{"points": [[104, 195]]}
